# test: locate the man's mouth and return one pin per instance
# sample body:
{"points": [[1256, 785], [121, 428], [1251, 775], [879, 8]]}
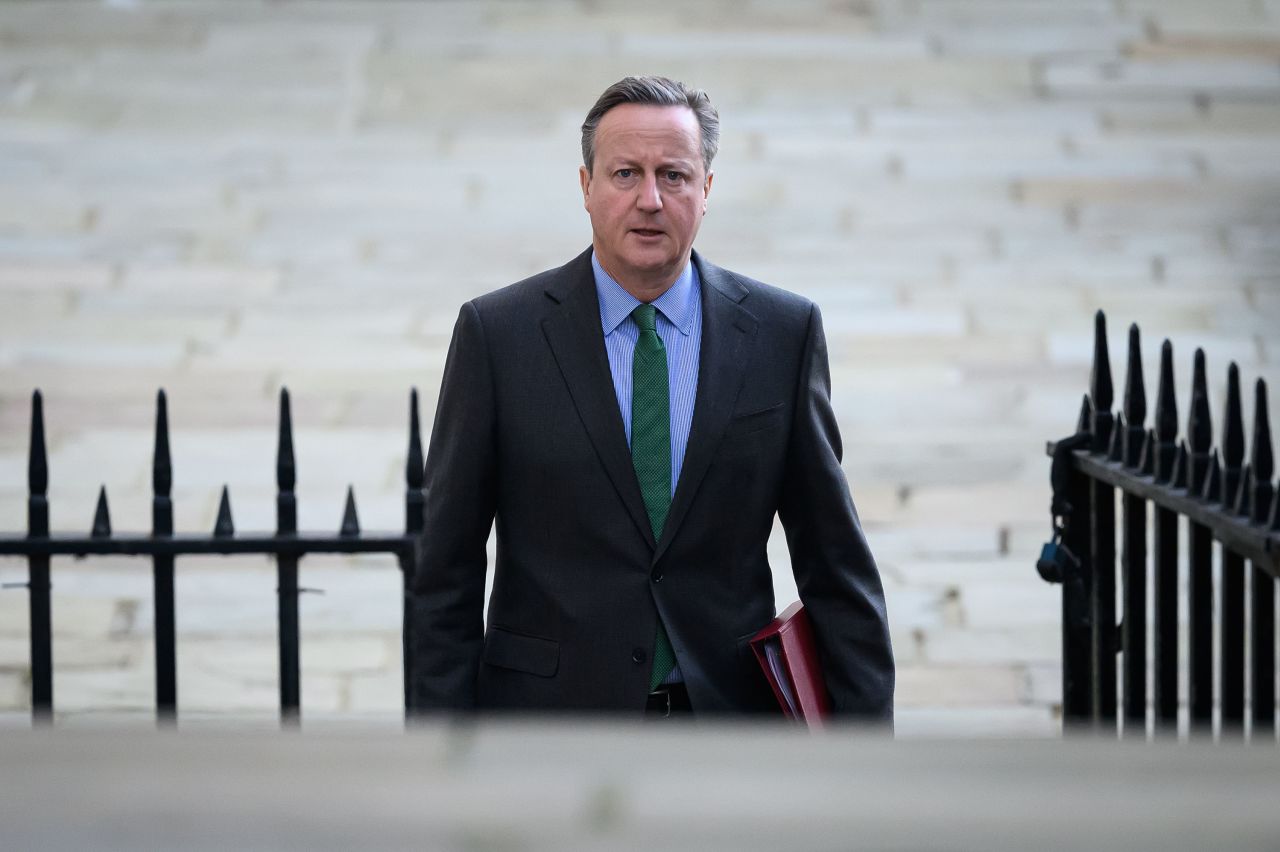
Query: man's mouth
{"points": [[647, 232]]}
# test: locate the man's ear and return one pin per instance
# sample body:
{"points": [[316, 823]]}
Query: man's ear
{"points": [[706, 190], [584, 178]]}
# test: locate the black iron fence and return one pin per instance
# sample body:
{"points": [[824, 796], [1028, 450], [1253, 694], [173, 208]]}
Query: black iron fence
{"points": [[1229, 510], [164, 545]]}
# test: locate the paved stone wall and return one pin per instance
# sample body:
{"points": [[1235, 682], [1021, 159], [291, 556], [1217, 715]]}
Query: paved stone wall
{"points": [[222, 198]]}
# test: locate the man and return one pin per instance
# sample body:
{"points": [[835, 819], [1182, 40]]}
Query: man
{"points": [[634, 420]]}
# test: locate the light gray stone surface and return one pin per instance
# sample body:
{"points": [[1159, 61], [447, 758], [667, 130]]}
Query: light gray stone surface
{"points": [[221, 198], [590, 785]]}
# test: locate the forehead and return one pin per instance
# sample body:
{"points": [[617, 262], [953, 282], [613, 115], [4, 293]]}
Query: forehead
{"points": [[634, 130]]}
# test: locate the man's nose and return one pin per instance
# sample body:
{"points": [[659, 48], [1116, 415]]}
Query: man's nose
{"points": [[648, 198]]}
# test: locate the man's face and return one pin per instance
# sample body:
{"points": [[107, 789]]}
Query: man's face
{"points": [[646, 193]]}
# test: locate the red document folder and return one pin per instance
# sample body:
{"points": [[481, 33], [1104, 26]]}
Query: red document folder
{"points": [[788, 655]]}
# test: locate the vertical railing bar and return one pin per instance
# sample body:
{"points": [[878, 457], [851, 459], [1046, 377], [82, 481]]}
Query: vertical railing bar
{"points": [[1133, 564], [38, 586], [163, 571], [1233, 585], [1256, 503], [414, 502], [1102, 545], [1200, 603], [287, 571], [1164, 591]]}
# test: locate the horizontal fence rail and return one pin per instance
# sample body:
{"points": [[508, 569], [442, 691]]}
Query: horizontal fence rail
{"points": [[1171, 492], [287, 545]]}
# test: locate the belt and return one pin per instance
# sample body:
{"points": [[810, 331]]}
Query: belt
{"points": [[671, 699]]}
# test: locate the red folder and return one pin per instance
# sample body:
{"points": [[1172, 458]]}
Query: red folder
{"points": [[788, 655]]}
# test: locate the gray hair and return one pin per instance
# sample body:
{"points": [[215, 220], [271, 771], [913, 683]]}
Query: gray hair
{"points": [[654, 91]]}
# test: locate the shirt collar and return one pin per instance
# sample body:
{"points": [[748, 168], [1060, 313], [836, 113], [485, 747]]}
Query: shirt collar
{"points": [[676, 304]]}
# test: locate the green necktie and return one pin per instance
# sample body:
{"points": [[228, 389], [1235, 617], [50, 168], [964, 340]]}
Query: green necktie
{"points": [[651, 448]]}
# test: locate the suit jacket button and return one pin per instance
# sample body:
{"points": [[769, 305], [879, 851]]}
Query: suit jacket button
{"points": [[656, 576], [638, 655]]}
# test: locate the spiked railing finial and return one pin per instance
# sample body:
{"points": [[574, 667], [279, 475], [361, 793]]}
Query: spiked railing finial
{"points": [[1199, 421], [38, 458], [350, 520], [286, 500], [101, 516], [223, 527], [1135, 401], [37, 472], [1232, 438], [161, 465], [1261, 457], [1100, 390], [161, 471], [413, 473]]}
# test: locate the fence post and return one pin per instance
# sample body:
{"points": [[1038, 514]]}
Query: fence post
{"points": [[1102, 545], [38, 568]]}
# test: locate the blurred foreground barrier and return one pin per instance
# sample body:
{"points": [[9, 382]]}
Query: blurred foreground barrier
{"points": [[163, 545], [581, 785], [1231, 518]]}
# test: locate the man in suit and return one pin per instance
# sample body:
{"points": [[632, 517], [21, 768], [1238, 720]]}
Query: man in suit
{"points": [[633, 420]]}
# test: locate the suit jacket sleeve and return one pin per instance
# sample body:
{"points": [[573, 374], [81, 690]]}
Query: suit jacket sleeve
{"points": [[447, 589], [834, 570]]}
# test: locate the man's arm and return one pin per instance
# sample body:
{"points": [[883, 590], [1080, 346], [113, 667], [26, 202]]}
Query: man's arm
{"points": [[448, 583], [834, 570]]}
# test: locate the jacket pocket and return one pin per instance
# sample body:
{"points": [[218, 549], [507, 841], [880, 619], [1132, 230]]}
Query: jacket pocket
{"points": [[756, 421], [529, 654]]}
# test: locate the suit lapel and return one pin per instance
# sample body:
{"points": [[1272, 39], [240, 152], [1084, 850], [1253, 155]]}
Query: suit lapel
{"points": [[573, 331], [728, 332]]}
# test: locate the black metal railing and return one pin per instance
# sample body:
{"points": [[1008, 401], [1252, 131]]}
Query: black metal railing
{"points": [[164, 545], [1224, 501]]}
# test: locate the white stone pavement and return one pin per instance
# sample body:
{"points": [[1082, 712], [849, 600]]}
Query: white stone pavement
{"points": [[221, 198]]}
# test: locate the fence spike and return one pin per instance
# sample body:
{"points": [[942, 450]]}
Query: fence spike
{"points": [[1166, 419], [1115, 452], [1233, 422], [1180, 463], [161, 469], [1232, 439], [1199, 420], [1135, 402], [1147, 455], [1213, 480], [38, 458], [286, 477], [1242, 500], [37, 471], [101, 516], [223, 527], [1260, 457], [1100, 390], [350, 520], [1085, 420], [1100, 381], [1135, 391], [413, 473]]}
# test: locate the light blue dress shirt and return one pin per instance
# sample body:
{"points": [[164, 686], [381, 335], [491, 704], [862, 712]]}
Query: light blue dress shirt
{"points": [[679, 327]]}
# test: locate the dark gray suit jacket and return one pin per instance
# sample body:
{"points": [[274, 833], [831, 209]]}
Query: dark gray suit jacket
{"points": [[527, 430]]}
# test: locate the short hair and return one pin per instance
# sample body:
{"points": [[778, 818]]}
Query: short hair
{"points": [[654, 91]]}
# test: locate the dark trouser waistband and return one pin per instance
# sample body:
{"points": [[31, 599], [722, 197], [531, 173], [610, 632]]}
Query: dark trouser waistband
{"points": [[668, 700]]}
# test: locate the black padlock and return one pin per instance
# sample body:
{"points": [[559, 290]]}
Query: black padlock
{"points": [[1054, 561], [1051, 563]]}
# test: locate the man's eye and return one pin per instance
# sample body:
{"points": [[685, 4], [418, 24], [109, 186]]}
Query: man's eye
{"points": [[674, 176], [624, 173]]}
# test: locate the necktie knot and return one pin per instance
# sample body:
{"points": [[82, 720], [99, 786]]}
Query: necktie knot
{"points": [[646, 317]]}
